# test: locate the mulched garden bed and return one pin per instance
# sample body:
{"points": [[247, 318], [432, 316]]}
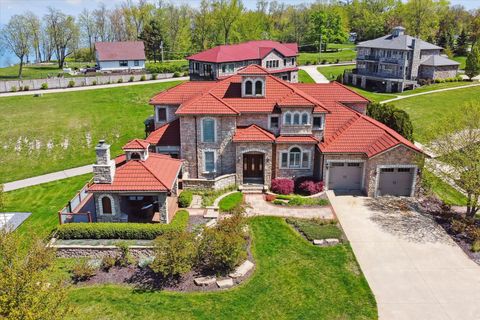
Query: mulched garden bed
{"points": [[146, 279]]}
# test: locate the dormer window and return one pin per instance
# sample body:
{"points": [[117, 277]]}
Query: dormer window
{"points": [[258, 88], [248, 87], [253, 86]]}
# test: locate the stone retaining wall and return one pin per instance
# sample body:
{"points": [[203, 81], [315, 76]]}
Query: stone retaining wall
{"points": [[218, 183], [56, 83], [98, 252]]}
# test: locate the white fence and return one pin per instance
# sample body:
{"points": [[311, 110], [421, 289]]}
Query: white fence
{"points": [[56, 83]]}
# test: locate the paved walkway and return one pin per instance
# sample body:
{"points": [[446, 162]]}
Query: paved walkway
{"points": [[101, 86], [429, 92], [412, 266], [54, 176], [314, 74], [258, 206]]}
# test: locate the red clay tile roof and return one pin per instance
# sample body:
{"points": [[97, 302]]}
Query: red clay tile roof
{"points": [[166, 135], [296, 139], [157, 173], [345, 129], [253, 69], [251, 50], [253, 133], [136, 144], [121, 50], [283, 70]]}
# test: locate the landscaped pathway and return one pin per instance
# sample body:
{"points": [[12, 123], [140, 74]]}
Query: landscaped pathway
{"points": [[413, 267], [428, 92], [49, 177], [314, 74], [100, 86], [256, 205]]}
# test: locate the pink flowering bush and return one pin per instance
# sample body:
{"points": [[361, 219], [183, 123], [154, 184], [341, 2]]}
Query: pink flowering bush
{"points": [[308, 186], [282, 186]]}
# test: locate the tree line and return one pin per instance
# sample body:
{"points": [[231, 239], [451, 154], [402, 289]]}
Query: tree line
{"points": [[180, 29]]}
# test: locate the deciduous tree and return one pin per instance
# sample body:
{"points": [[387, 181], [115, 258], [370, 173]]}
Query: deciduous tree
{"points": [[17, 36]]}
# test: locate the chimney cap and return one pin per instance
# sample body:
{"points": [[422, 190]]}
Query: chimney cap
{"points": [[102, 145]]}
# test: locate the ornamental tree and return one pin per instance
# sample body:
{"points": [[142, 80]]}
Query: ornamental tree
{"points": [[472, 67]]}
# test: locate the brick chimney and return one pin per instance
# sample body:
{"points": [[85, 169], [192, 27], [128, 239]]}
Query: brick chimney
{"points": [[104, 169]]}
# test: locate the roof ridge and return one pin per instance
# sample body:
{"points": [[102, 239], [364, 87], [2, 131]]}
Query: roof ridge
{"points": [[226, 104], [299, 92], [153, 174], [340, 131], [350, 89], [263, 131]]}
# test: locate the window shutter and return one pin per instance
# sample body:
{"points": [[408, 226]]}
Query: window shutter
{"points": [[305, 159], [284, 160]]}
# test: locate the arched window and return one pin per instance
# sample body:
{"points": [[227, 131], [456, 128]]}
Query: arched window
{"points": [[258, 87], [295, 157], [248, 87], [296, 118], [106, 205], [135, 156], [208, 130], [304, 118], [288, 118]]}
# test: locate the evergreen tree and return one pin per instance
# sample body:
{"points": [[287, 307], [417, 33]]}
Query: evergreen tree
{"points": [[462, 43], [472, 68], [152, 38]]}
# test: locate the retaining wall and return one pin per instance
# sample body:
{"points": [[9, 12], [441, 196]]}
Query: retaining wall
{"points": [[220, 182]]}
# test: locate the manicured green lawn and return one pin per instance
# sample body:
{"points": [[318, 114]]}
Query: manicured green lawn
{"points": [[39, 71], [293, 280], [425, 109], [435, 86], [462, 60], [230, 202], [444, 191], [331, 73], [316, 229], [331, 57], [59, 130], [43, 201], [304, 77]]}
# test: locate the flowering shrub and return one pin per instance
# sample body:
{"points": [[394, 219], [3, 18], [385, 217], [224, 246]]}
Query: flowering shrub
{"points": [[282, 186], [308, 186]]}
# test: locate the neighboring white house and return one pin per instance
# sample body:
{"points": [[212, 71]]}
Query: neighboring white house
{"points": [[120, 56]]}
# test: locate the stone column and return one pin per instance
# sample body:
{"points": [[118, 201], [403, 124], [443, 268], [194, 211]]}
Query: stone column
{"points": [[364, 82], [389, 86]]}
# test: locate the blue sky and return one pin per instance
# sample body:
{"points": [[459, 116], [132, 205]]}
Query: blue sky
{"points": [[11, 7]]}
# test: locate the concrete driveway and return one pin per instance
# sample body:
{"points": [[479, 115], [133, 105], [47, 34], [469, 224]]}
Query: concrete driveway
{"points": [[414, 269]]}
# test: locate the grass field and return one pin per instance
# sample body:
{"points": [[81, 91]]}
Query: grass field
{"points": [[346, 53], [43, 201], [424, 110], [462, 60], [332, 72], [304, 77], [59, 131], [293, 280], [230, 202], [38, 71], [444, 191]]}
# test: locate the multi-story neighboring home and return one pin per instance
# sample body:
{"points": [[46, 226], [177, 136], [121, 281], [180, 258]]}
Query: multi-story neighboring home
{"points": [[251, 127], [398, 61], [280, 59], [120, 56]]}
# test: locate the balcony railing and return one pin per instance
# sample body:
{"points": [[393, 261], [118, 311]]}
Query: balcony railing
{"points": [[369, 57], [70, 213]]}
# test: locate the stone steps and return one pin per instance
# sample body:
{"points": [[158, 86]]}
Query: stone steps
{"points": [[252, 189]]}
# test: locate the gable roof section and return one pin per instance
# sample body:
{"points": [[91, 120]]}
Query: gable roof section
{"points": [[182, 92], [251, 50], [136, 144], [253, 69], [120, 50], [253, 133], [166, 135], [157, 173], [297, 139]]}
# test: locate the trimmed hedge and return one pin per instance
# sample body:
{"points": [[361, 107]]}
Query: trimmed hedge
{"points": [[115, 230], [185, 199]]}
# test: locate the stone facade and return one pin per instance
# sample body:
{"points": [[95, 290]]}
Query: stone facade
{"points": [[294, 173], [218, 183], [171, 109], [442, 72], [258, 148]]}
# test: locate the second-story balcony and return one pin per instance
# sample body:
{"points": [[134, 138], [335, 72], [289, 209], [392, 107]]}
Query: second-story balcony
{"points": [[369, 57], [300, 129]]}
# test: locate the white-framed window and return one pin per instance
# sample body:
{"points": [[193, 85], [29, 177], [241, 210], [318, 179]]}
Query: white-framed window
{"points": [[273, 122], [162, 114], [228, 67], [248, 87], [258, 87], [123, 63], [208, 130], [136, 63], [295, 158], [209, 160], [106, 204], [318, 122], [296, 118]]}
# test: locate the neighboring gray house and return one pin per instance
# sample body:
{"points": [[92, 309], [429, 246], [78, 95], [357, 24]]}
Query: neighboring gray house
{"points": [[397, 61], [280, 59], [120, 56]]}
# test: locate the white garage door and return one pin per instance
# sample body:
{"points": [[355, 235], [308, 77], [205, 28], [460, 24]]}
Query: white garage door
{"points": [[345, 176], [395, 181]]}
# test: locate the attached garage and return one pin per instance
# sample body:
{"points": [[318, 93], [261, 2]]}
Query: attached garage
{"points": [[395, 181], [345, 176]]}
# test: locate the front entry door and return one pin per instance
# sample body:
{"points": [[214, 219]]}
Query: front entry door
{"points": [[253, 168]]}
